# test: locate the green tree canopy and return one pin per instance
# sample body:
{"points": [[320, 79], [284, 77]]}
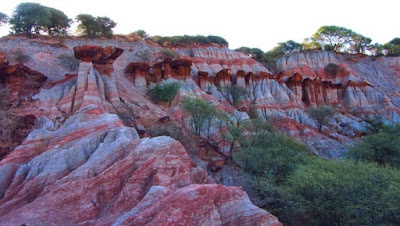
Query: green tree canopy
{"points": [[359, 43], [310, 44], [333, 37], [391, 48], [201, 111], [30, 18], [165, 92], [234, 94], [321, 115], [92, 27], [141, 33], [59, 22], [273, 155], [255, 53], [345, 193], [395, 41], [186, 40], [280, 50], [382, 147]]}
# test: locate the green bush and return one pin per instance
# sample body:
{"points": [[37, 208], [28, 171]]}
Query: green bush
{"points": [[144, 55], [274, 156], [141, 33], [382, 147], [344, 193], [202, 113], [321, 115], [234, 94], [168, 53], [68, 61], [95, 26], [332, 69], [21, 57], [165, 92], [31, 18], [189, 40]]}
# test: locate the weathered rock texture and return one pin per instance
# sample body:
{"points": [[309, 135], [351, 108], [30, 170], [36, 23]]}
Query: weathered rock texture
{"points": [[83, 166]]}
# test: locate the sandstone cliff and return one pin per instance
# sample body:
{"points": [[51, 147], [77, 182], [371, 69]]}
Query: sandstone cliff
{"points": [[82, 165], [83, 162]]}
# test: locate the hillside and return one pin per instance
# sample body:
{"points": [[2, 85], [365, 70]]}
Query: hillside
{"points": [[82, 163]]}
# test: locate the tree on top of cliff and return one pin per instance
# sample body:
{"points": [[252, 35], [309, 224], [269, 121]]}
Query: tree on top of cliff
{"points": [[359, 43], [217, 40], [31, 18], [59, 22], [92, 27], [141, 33], [255, 53], [187, 40], [391, 48], [3, 18], [280, 50], [333, 37]]}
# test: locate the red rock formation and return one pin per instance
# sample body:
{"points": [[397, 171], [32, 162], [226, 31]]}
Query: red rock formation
{"points": [[167, 73], [136, 182], [223, 78], [96, 80], [203, 80], [312, 92], [212, 205], [3, 62], [97, 54], [139, 72], [181, 69], [22, 81], [158, 72]]}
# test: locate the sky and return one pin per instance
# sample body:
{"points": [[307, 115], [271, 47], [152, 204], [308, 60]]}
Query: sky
{"points": [[252, 23]]}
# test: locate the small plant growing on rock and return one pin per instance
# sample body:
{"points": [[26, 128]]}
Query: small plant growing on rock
{"points": [[141, 33], [167, 53], [145, 55], [21, 57], [321, 115], [127, 113], [165, 92], [332, 69], [234, 94], [68, 62]]}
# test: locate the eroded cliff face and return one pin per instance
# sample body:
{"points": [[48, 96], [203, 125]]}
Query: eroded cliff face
{"points": [[91, 152], [83, 165]]}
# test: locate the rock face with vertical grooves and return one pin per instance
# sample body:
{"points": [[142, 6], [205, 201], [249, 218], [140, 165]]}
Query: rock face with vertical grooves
{"points": [[83, 166]]}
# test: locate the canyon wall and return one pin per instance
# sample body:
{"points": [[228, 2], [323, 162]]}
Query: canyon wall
{"points": [[88, 145], [82, 165]]}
